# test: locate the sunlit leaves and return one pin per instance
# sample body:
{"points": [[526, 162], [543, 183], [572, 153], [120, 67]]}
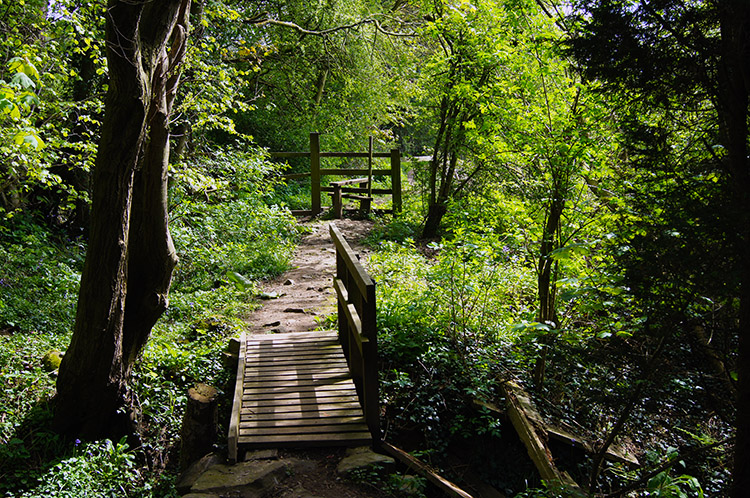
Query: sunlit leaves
{"points": [[28, 137]]}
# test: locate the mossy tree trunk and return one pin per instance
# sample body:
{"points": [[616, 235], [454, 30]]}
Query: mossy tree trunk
{"points": [[130, 257]]}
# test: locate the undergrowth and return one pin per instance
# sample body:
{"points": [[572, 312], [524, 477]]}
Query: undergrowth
{"points": [[457, 317], [229, 235]]}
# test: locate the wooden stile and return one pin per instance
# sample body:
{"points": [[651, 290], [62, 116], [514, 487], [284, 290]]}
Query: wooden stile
{"points": [[366, 187]]}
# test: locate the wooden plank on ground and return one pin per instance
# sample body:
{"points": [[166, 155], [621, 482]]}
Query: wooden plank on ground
{"points": [[413, 463], [528, 431]]}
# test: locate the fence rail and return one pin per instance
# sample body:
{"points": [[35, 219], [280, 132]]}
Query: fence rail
{"points": [[355, 292]]}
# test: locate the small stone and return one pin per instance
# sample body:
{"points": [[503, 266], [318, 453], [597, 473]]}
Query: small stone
{"points": [[194, 471], [270, 454], [269, 295], [289, 282], [362, 458], [272, 324], [52, 360], [294, 310]]}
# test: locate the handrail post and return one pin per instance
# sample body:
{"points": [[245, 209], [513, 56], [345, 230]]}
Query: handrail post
{"points": [[370, 386], [315, 172], [396, 179]]}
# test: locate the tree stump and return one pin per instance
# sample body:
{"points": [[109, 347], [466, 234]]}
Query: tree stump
{"points": [[199, 425]]}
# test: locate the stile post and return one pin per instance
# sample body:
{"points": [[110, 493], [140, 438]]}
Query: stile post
{"points": [[337, 201], [369, 168], [315, 172], [396, 179]]}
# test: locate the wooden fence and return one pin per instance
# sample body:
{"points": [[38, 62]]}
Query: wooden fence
{"points": [[358, 333], [316, 172]]}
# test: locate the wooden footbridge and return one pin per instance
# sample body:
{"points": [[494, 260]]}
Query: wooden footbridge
{"points": [[321, 388], [312, 388]]}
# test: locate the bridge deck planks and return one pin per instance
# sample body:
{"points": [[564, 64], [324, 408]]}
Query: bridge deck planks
{"points": [[297, 391]]}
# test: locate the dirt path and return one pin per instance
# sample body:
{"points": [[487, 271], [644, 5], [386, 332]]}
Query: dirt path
{"points": [[302, 298], [299, 301]]}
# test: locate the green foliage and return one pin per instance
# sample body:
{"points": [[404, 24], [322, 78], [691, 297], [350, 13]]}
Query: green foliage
{"points": [[50, 102], [395, 484], [39, 278], [245, 237], [236, 236], [440, 324], [664, 486], [345, 83], [97, 469], [103, 468], [210, 110]]}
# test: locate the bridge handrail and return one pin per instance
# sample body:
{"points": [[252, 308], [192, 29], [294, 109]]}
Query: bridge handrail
{"points": [[357, 327]]}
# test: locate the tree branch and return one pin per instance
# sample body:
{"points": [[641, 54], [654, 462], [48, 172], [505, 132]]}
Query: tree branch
{"points": [[262, 21]]}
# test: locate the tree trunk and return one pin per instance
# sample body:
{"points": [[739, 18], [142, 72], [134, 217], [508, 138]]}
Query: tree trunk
{"points": [[435, 214], [91, 387], [545, 288], [152, 257], [734, 98]]}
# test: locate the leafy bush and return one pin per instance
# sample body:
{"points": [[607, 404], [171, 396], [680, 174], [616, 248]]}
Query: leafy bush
{"points": [[441, 324], [222, 226], [240, 236], [97, 469], [39, 279]]}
